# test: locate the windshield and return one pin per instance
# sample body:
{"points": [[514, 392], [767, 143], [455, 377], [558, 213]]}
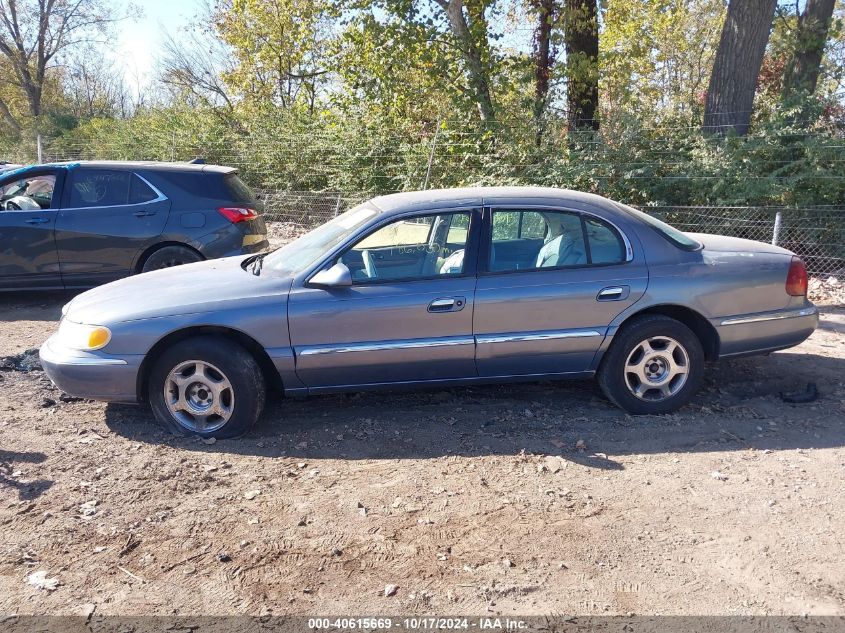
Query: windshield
{"points": [[678, 238], [306, 250]]}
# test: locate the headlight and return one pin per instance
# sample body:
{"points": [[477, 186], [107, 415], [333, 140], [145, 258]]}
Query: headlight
{"points": [[83, 337]]}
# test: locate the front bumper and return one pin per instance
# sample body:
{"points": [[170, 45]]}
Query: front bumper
{"points": [[92, 375], [763, 332]]}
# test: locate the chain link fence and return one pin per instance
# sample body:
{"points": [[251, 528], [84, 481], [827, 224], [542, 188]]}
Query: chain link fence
{"points": [[816, 234]]}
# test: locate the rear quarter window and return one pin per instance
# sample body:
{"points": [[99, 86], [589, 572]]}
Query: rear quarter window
{"points": [[208, 185]]}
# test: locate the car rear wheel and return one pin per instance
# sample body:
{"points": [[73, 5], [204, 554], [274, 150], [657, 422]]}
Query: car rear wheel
{"points": [[170, 256], [207, 386], [654, 365]]}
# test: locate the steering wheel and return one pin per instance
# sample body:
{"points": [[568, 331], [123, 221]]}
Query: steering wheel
{"points": [[12, 206], [369, 264]]}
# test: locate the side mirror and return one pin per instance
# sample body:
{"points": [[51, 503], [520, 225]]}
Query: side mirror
{"points": [[338, 276]]}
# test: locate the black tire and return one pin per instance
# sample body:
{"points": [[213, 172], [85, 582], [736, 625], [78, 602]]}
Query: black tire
{"points": [[170, 256], [614, 380], [226, 358]]}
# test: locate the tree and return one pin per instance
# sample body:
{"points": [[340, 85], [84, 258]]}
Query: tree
{"points": [[470, 30], [393, 49], [94, 88], [544, 58], [656, 58], [193, 67], [802, 70], [280, 48], [733, 80], [581, 40], [34, 32]]}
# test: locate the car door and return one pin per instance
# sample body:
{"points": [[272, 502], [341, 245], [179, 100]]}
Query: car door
{"points": [[107, 217], [548, 312], [28, 256], [407, 316]]}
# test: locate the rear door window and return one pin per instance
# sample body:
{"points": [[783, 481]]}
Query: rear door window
{"points": [[91, 188], [606, 246]]}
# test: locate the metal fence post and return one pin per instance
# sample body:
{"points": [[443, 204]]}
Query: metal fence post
{"points": [[776, 229], [38, 148], [431, 155], [337, 207]]}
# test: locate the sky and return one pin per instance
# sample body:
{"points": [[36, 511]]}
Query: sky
{"points": [[138, 42]]}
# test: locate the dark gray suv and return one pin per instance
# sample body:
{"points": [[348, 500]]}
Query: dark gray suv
{"points": [[77, 225]]}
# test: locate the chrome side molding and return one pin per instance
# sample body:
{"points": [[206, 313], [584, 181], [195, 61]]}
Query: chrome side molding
{"points": [[385, 346], [771, 316], [549, 335]]}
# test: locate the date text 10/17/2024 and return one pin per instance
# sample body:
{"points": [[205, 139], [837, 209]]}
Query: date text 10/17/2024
{"points": [[418, 623]]}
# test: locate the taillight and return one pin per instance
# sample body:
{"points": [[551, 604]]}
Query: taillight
{"points": [[796, 278], [238, 214]]}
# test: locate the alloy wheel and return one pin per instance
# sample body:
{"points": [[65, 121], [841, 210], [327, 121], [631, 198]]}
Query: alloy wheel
{"points": [[657, 368], [199, 396]]}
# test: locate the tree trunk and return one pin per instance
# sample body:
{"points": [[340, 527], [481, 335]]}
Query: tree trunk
{"points": [[9, 118], [477, 65], [733, 81], [581, 39], [543, 60], [802, 71]]}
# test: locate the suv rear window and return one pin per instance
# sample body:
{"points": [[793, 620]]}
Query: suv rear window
{"points": [[238, 189], [210, 185]]}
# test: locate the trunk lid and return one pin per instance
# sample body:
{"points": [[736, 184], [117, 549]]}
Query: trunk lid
{"points": [[727, 244]]}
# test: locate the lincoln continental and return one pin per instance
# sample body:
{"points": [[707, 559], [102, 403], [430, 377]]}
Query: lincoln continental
{"points": [[436, 288]]}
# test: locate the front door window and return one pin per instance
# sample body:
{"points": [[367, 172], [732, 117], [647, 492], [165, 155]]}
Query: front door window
{"points": [[423, 247], [29, 193]]}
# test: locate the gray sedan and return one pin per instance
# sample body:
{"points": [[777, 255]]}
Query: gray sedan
{"points": [[435, 288]]}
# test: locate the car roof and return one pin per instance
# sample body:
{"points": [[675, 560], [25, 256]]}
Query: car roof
{"points": [[123, 164], [474, 196]]}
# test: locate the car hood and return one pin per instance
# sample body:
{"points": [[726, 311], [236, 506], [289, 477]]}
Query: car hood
{"points": [[725, 244], [193, 288]]}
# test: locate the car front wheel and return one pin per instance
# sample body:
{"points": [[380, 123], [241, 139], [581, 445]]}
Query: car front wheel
{"points": [[207, 386], [654, 365]]}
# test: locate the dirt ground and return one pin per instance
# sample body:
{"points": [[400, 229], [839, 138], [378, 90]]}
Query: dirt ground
{"points": [[522, 499]]}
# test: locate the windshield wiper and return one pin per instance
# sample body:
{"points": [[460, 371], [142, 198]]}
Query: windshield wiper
{"points": [[255, 264]]}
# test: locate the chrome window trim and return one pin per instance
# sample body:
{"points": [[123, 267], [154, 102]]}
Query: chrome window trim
{"points": [[386, 346], [160, 197], [520, 337], [770, 316]]}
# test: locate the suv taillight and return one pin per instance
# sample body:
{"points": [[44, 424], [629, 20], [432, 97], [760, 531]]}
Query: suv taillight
{"points": [[238, 214], [796, 278]]}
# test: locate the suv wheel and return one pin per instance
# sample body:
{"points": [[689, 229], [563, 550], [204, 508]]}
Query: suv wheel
{"points": [[654, 365], [170, 256], [207, 386]]}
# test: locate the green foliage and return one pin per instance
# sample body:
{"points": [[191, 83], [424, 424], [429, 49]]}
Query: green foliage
{"points": [[367, 154], [357, 96]]}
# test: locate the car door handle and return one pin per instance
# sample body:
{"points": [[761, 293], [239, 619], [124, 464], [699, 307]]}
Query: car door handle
{"points": [[37, 221], [143, 214], [614, 293], [447, 304]]}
